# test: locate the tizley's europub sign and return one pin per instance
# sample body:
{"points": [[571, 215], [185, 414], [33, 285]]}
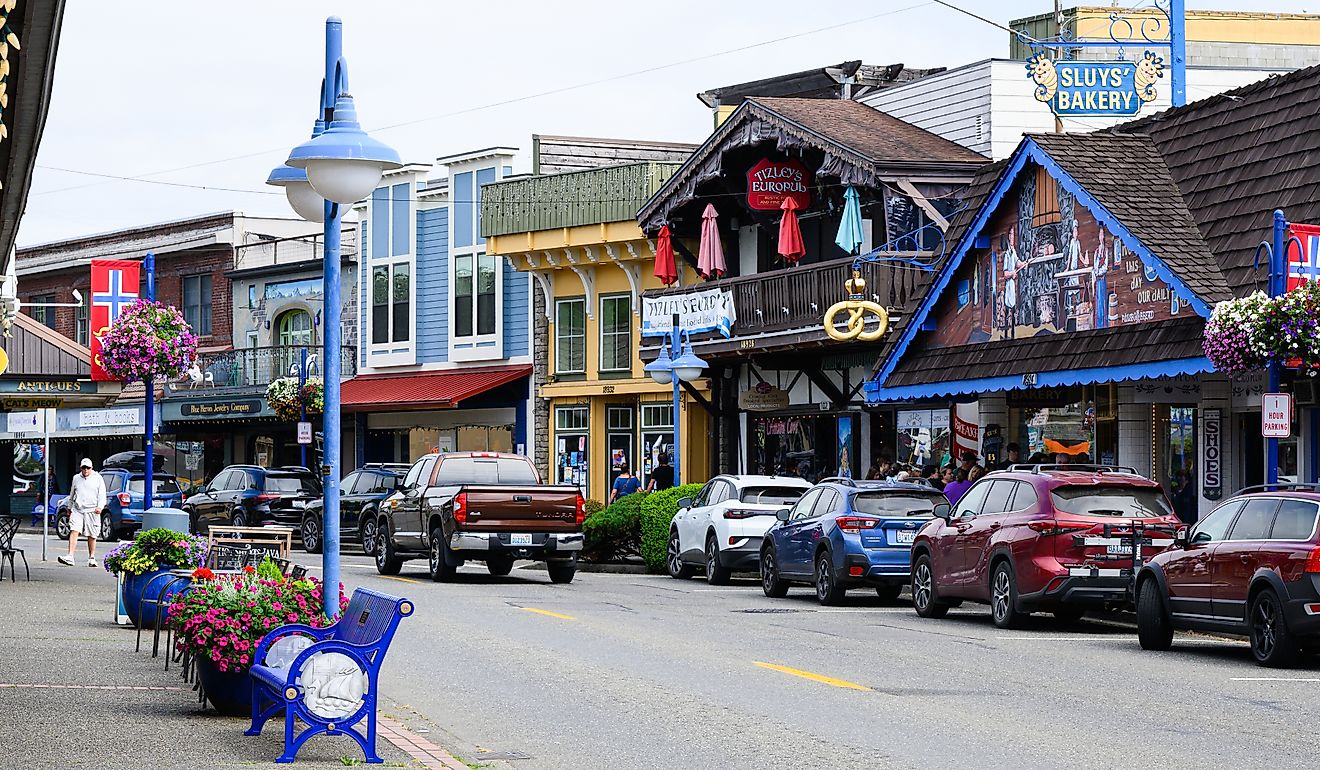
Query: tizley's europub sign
{"points": [[1095, 88]]}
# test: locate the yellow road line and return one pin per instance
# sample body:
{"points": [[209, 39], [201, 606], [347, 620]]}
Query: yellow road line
{"points": [[547, 613], [400, 579], [813, 677]]}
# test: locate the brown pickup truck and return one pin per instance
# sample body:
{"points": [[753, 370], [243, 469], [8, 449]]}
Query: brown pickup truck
{"points": [[483, 506]]}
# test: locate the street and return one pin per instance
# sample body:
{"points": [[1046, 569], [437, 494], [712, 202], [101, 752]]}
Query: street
{"points": [[621, 670]]}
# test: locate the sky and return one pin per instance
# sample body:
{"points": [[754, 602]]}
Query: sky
{"points": [[188, 94]]}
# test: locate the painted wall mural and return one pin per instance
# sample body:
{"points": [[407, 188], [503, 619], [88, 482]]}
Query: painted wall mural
{"points": [[1050, 269]]}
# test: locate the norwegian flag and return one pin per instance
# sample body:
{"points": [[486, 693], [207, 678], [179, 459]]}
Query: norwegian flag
{"points": [[1303, 266]]}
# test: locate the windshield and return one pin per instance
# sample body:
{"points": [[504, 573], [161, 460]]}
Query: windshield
{"points": [[1131, 502], [455, 471], [771, 495], [882, 504], [291, 484], [166, 486]]}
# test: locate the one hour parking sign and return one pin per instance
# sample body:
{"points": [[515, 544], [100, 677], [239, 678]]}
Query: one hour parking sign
{"points": [[1276, 415]]}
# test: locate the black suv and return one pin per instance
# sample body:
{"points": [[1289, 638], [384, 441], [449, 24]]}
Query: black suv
{"points": [[252, 496], [361, 494]]}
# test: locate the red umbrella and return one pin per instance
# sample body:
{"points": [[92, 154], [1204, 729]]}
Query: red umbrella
{"points": [[664, 258], [790, 235], [710, 257]]}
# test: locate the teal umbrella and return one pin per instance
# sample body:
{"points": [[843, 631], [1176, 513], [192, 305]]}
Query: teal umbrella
{"points": [[850, 235]]}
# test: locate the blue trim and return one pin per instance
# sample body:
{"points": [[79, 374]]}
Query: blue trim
{"points": [[1028, 149], [1171, 368]]}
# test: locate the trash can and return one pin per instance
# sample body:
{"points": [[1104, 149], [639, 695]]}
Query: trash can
{"points": [[169, 518]]}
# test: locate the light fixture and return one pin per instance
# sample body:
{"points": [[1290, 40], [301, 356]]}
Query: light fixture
{"points": [[661, 368], [687, 367], [304, 200], [344, 164]]}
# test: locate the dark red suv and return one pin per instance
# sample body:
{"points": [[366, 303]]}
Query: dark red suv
{"points": [[1250, 568], [1040, 538]]}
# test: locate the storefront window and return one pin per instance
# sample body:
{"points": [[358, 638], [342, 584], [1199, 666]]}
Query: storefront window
{"points": [[924, 437], [657, 436], [795, 446], [1067, 424], [571, 426], [1175, 456]]}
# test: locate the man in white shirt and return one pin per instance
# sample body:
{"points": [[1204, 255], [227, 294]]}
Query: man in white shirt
{"points": [[86, 501]]}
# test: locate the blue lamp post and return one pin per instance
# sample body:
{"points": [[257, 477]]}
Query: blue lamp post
{"points": [[340, 165], [684, 366]]}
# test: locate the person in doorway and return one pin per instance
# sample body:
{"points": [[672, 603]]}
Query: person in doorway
{"points": [[626, 484], [1184, 497], [662, 476], [86, 501]]}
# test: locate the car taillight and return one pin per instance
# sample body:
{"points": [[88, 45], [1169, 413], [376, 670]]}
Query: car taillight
{"points": [[855, 524], [580, 511], [460, 507], [736, 513], [1050, 527], [124, 498], [1313, 561], [264, 497]]}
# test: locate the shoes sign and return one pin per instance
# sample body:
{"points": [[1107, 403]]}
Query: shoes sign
{"points": [[1276, 415]]}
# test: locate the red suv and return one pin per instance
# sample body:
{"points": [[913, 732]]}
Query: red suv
{"points": [[1250, 568], [1039, 538]]}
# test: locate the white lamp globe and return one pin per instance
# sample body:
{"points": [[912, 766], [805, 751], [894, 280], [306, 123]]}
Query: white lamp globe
{"points": [[687, 367], [305, 202], [343, 181], [659, 369], [344, 164]]}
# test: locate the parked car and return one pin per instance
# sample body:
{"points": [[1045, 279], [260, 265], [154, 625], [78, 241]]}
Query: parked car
{"points": [[1250, 568], [483, 506], [360, 496], [843, 534], [1018, 540], [253, 496], [124, 494], [721, 529]]}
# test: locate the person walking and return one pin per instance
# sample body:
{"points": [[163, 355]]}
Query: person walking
{"points": [[662, 475], [953, 490], [86, 501], [626, 484]]}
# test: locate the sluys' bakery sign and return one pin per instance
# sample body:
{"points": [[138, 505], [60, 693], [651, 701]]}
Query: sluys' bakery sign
{"points": [[1095, 88]]}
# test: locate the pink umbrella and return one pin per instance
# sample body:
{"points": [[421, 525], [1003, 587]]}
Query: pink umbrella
{"points": [[710, 260], [790, 235], [665, 269]]}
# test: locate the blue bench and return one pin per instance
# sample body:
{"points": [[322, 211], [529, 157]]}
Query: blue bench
{"points": [[289, 673]]}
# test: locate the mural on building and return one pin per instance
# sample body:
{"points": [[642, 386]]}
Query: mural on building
{"points": [[1050, 269]]}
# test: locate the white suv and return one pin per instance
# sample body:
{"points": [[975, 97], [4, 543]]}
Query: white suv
{"points": [[722, 527]]}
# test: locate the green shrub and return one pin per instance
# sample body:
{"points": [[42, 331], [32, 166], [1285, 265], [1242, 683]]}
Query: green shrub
{"points": [[593, 506], [658, 511], [615, 532]]}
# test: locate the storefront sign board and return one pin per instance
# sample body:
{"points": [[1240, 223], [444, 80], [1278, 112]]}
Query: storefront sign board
{"points": [[1095, 88], [1276, 415], [101, 418], [237, 408], [770, 182], [32, 403], [763, 398], [698, 311], [1212, 459]]}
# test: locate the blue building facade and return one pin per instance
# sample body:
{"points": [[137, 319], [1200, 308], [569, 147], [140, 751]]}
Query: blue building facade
{"points": [[444, 358]]}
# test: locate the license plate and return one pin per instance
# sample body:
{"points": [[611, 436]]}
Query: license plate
{"points": [[1119, 550], [520, 539], [299, 503], [905, 536]]}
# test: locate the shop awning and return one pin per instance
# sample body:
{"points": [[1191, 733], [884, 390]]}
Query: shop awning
{"points": [[424, 390]]}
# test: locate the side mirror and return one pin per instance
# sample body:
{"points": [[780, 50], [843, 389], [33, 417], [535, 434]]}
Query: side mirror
{"points": [[943, 511], [684, 502], [1180, 537], [782, 514]]}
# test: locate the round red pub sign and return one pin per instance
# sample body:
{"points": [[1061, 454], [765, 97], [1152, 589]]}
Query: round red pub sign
{"points": [[770, 182]]}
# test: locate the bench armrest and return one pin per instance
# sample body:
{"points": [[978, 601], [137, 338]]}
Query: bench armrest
{"points": [[292, 629]]}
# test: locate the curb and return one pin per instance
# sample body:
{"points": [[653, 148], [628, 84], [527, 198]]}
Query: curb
{"points": [[604, 567]]}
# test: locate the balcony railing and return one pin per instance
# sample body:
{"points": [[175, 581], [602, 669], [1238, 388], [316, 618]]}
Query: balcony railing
{"points": [[258, 367], [593, 196], [260, 251], [797, 297]]}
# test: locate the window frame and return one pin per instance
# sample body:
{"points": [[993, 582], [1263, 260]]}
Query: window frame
{"points": [[1230, 535], [481, 342], [82, 323], [559, 360], [1231, 508], [603, 334], [801, 512], [1315, 521], [204, 325]]}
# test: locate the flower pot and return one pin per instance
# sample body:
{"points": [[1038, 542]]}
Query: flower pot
{"points": [[148, 585], [228, 692]]}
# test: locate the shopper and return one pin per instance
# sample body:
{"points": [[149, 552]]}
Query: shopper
{"points": [[955, 489], [626, 484], [662, 475], [1012, 456], [86, 501]]}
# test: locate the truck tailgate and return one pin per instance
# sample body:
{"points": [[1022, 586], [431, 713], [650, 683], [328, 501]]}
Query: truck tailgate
{"points": [[520, 509]]}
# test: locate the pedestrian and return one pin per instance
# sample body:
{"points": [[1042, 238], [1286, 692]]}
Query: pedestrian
{"points": [[86, 501], [662, 475], [955, 489], [1062, 459], [948, 476], [932, 474], [1012, 456], [968, 461], [1184, 497], [626, 484]]}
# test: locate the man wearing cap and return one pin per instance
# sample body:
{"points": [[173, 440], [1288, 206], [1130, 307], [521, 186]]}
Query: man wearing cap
{"points": [[86, 501]]}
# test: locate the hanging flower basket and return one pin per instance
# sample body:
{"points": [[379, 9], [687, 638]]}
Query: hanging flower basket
{"points": [[149, 340], [288, 401], [1255, 331]]}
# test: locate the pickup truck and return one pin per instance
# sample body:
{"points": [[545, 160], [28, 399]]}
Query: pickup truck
{"points": [[481, 506]]}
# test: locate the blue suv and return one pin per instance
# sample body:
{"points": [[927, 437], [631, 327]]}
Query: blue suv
{"points": [[843, 533], [124, 492]]}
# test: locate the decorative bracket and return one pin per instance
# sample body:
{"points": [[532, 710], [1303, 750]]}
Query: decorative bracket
{"points": [[546, 280], [634, 273], [587, 274]]}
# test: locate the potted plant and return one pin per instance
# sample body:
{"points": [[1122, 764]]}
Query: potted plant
{"points": [[146, 562], [221, 618], [1255, 331], [288, 401], [147, 340]]}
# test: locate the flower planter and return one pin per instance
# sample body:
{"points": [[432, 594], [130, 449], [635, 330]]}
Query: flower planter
{"points": [[150, 585], [228, 692]]}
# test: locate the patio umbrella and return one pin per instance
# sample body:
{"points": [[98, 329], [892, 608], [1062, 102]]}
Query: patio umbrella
{"points": [[790, 235], [850, 235], [664, 258], [710, 260]]}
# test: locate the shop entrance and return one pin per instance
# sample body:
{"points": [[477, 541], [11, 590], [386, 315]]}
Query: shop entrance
{"points": [[620, 440]]}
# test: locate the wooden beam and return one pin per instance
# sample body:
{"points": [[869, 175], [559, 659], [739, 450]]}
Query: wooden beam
{"points": [[935, 216], [700, 399], [826, 385]]}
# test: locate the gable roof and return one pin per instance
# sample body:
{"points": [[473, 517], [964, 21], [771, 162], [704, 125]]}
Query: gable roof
{"points": [[820, 83]]}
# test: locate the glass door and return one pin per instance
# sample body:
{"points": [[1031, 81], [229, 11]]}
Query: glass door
{"points": [[1175, 466], [620, 441]]}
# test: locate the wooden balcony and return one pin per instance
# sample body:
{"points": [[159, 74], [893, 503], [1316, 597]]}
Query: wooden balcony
{"points": [[553, 201]]}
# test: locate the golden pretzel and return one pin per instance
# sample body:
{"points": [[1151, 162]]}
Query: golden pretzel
{"points": [[856, 310]]}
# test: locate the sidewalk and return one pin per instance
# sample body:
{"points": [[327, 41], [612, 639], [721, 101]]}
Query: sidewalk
{"points": [[73, 693]]}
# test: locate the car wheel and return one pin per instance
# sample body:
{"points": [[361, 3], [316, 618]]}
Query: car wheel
{"points": [[1154, 626], [443, 563], [674, 563], [1272, 644], [311, 534], [562, 571], [499, 566], [1068, 614], [772, 584], [888, 593], [240, 518], [715, 574], [1003, 597], [386, 562], [107, 527], [367, 530], [923, 590], [828, 591], [62, 529]]}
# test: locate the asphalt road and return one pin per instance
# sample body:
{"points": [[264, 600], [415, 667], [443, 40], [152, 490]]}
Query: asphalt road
{"points": [[633, 671]]}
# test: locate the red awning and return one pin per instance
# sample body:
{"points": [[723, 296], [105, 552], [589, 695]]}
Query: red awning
{"points": [[424, 390]]}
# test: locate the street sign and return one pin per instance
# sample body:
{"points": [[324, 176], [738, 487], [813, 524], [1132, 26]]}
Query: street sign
{"points": [[1276, 415], [304, 433]]}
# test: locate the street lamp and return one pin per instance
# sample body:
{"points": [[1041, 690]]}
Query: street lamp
{"points": [[683, 367], [340, 165]]}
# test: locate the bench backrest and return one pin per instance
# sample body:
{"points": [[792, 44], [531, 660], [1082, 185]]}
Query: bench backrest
{"points": [[371, 618], [8, 526]]}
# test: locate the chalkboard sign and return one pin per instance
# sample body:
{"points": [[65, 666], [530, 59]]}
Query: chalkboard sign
{"points": [[233, 548]]}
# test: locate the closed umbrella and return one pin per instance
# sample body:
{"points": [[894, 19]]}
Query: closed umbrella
{"points": [[664, 258], [850, 235], [710, 261], [790, 235]]}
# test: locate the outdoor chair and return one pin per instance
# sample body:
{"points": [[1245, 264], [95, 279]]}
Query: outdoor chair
{"points": [[159, 608], [8, 528]]}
